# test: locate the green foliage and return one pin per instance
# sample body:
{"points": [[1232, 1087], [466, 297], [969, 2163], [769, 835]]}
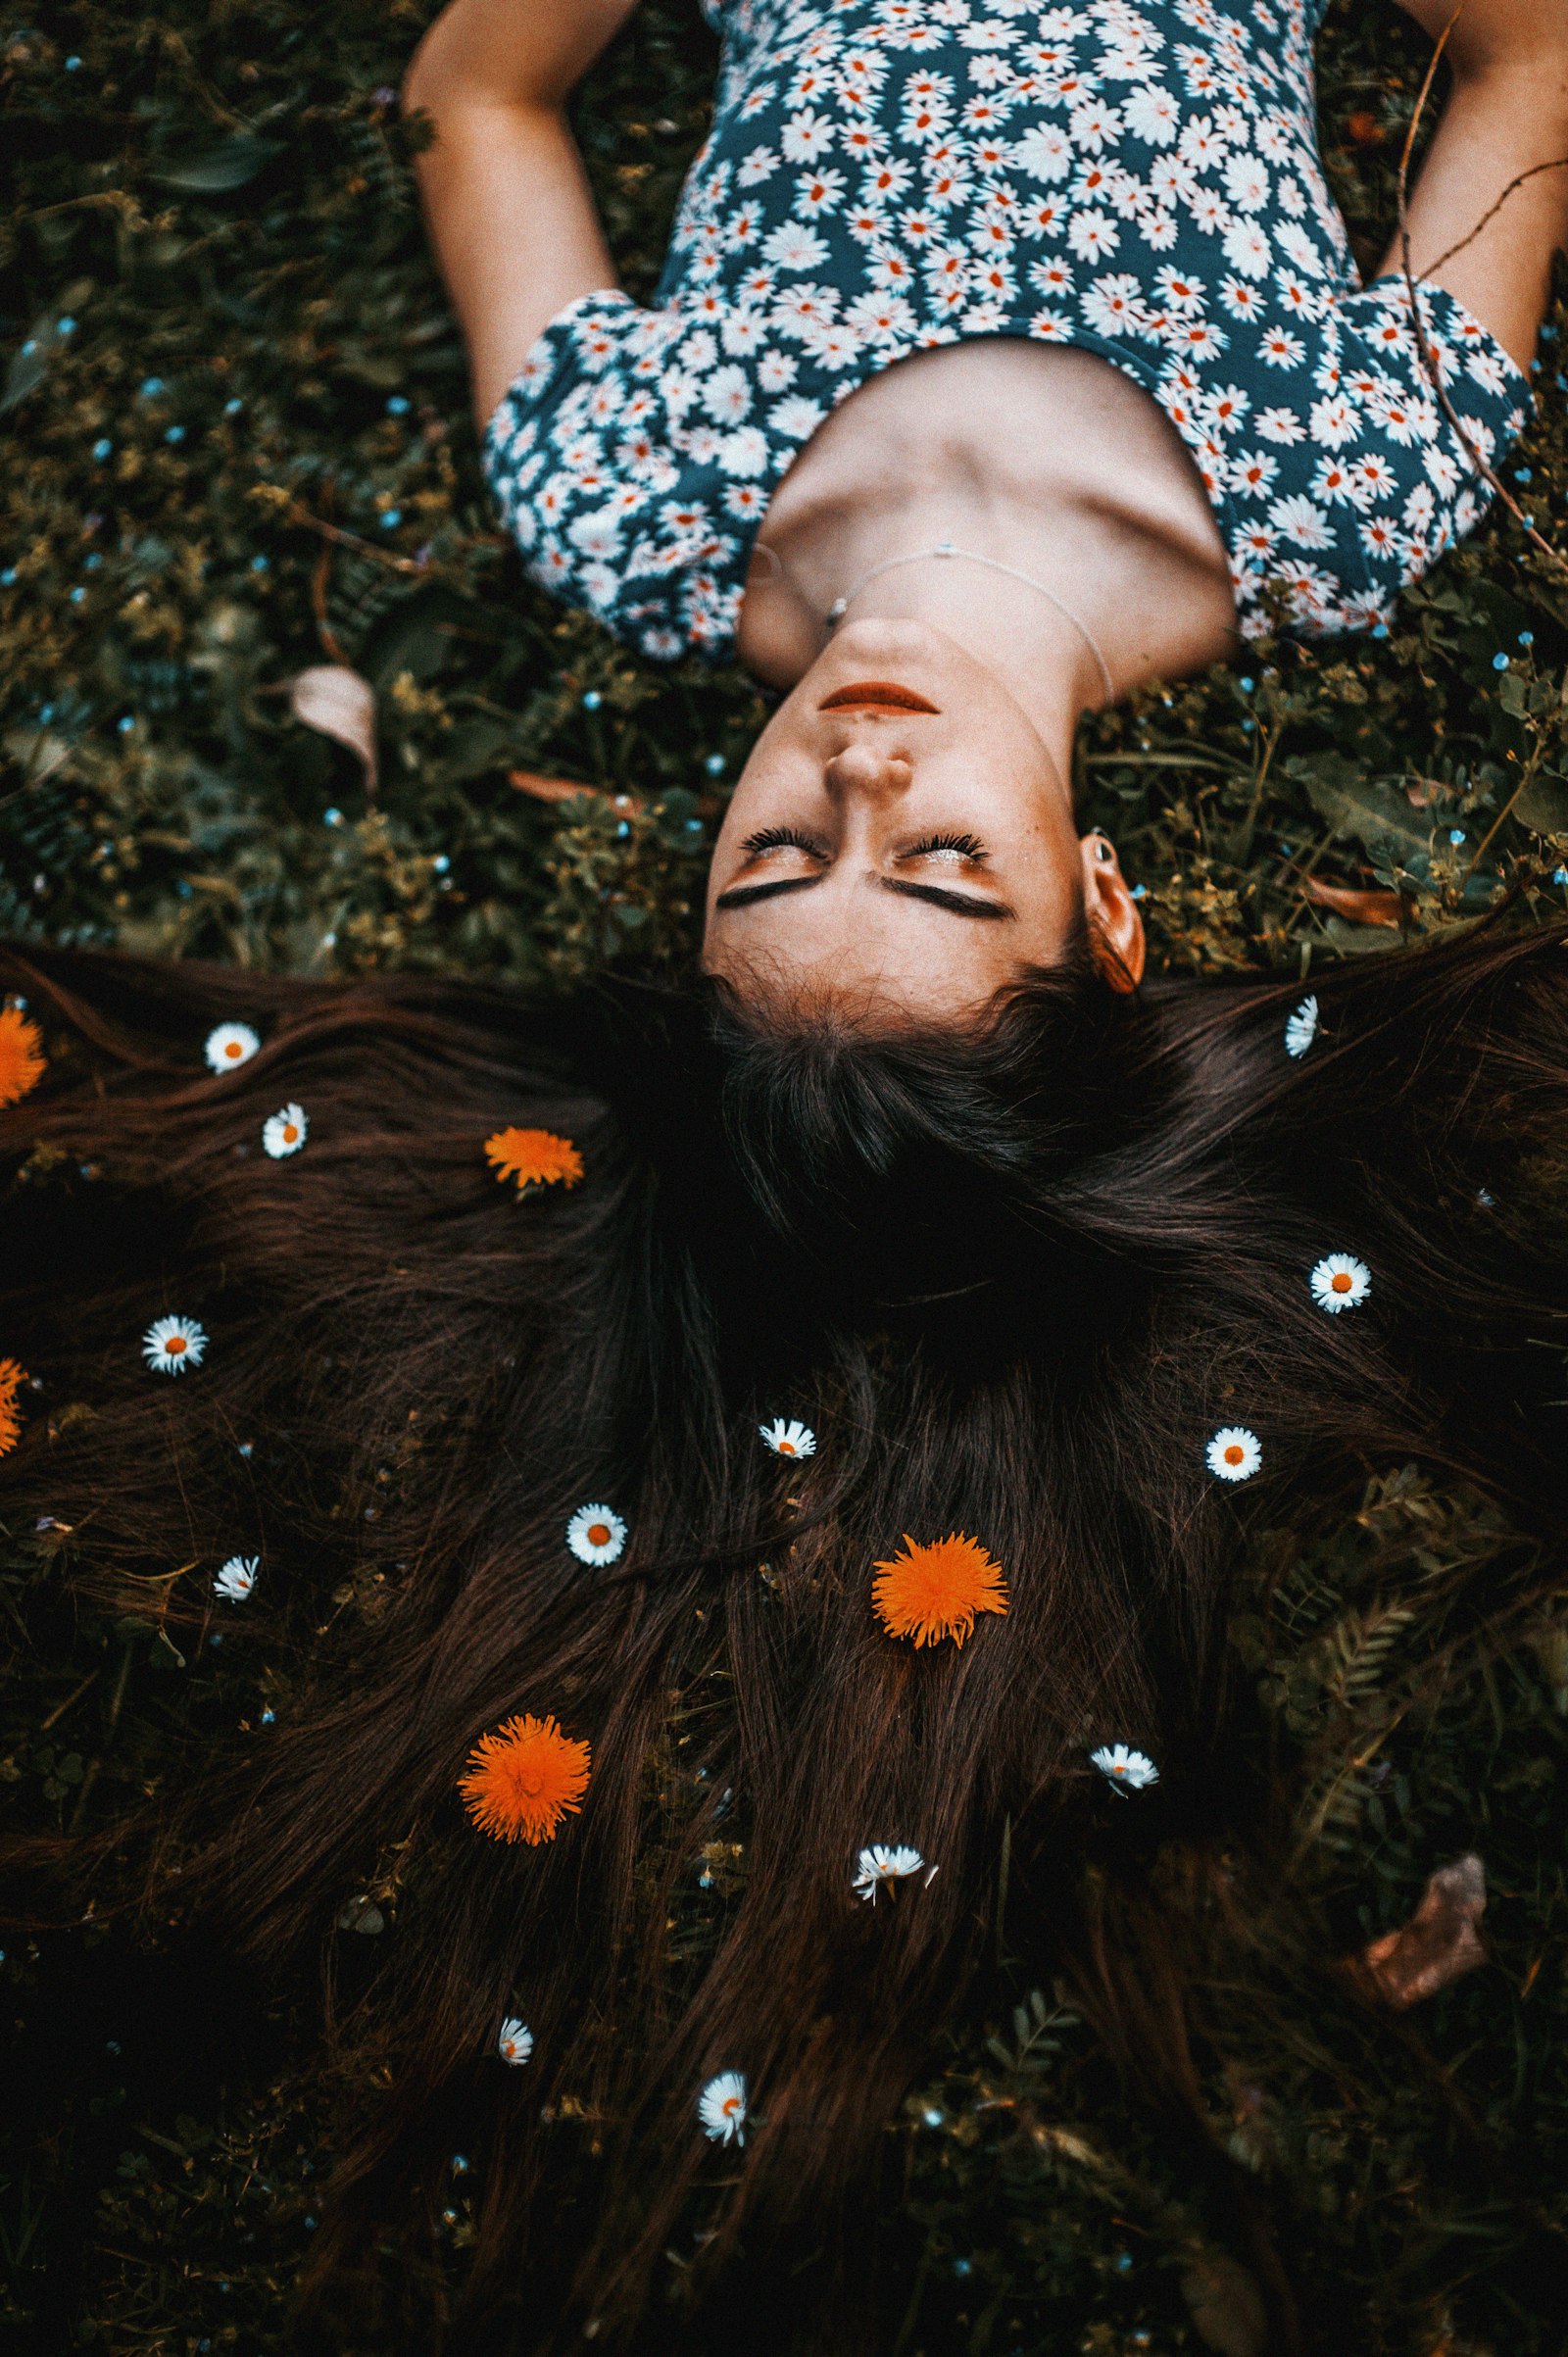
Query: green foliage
{"points": [[240, 446]]}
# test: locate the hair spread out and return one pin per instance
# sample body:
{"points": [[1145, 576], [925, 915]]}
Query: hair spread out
{"points": [[1011, 1281]]}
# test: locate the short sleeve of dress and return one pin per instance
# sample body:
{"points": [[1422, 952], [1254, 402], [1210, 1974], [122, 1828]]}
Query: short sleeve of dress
{"points": [[1392, 462], [608, 493]]}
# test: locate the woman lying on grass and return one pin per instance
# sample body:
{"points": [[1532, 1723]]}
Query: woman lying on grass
{"points": [[819, 1410]]}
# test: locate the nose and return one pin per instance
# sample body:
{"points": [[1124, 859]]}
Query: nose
{"points": [[866, 772]]}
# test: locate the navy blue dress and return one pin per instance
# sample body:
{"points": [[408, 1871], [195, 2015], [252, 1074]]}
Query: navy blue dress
{"points": [[887, 176]]}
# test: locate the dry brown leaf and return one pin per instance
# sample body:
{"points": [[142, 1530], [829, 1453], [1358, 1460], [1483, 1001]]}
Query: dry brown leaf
{"points": [[550, 789], [1439, 1945], [1226, 2305], [338, 704], [1373, 906]]}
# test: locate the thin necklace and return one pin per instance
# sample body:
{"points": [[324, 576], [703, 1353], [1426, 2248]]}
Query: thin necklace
{"points": [[944, 548]]}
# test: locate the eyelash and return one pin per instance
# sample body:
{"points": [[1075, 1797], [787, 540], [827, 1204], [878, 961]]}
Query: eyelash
{"points": [[774, 838]]}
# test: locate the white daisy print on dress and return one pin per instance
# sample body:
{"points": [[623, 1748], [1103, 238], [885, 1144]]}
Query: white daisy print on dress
{"points": [[789, 1439], [284, 1133], [229, 1046], [1124, 1770], [515, 2042], [596, 1535], [1234, 1454], [721, 2108], [1301, 1028], [170, 1345], [1340, 1282], [237, 1578], [885, 1862]]}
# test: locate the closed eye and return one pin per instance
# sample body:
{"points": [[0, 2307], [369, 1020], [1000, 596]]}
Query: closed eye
{"points": [[946, 847], [778, 838]]}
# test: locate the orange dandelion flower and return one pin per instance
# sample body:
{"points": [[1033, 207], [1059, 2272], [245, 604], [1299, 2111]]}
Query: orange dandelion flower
{"points": [[523, 1779], [12, 1379], [534, 1157], [929, 1592], [21, 1061]]}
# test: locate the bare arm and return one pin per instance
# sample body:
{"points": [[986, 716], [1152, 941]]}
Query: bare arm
{"points": [[506, 196], [1507, 114]]}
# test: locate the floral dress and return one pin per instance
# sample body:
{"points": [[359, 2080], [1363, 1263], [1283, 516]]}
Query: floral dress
{"points": [[888, 175]]}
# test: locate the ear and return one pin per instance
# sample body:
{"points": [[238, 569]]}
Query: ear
{"points": [[1115, 925]]}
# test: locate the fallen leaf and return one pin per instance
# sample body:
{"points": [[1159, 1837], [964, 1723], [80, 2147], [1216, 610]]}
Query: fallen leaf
{"points": [[553, 789], [1226, 2305], [338, 704], [1439, 1945], [1373, 906]]}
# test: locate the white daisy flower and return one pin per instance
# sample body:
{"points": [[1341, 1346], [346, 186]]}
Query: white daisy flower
{"points": [[885, 1863], [284, 1133], [789, 1439], [514, 2044], [596, 1535], [237, 1578], [1301, 1028], [721, 2108], [170, 1345], [229, 1046], [1124, 1770], [1340, 1282], [1234, 1454]]}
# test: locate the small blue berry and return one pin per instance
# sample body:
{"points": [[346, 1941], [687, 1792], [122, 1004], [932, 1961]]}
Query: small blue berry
{"points": [[73, 64], [962, 2266], [1561, 875], [102, 448], [173, 433], [623, 828], [76, 596], [310, 2223], [391, 518], [151, 386], [1521, 475], [8, 577], [441, 863], [592, 700], [1499, 663], [931, 2116], [215, 1636], [232, 407], [258, 565], [398, 406], [66, 327], [332, 817], [459, 2164], [1139, 892], [1456, 835], [31, 344], [91, 564], [693, 827], [1247, 686], [46, 712], [245, 1447], [269, 1716], [1527, 638], [1124, 2261], [125, 723], [715, 764], [1380, 630]]}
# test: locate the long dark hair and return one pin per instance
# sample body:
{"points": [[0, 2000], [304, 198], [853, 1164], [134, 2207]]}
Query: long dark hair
{"points": [[1012, 1279]]}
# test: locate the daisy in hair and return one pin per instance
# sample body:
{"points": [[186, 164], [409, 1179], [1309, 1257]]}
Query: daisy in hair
{"points": [[21, 1060], [789, 1439], [885, 1862], [229, 1046], [284, 1133], [514, 2044], [1124, 1770], [596, 1535], [170, 1345], [12, 1379], [534, 1157], [721, 2108], [1301, 1028], [932, 1591], [1340, 1282], [523, 1779], [1234, 1454], [237, 1578]]}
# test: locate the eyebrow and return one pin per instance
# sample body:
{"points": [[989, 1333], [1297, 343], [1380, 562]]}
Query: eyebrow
{"points": [[960, 904]]}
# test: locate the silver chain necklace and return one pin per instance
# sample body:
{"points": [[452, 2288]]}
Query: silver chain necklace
{"points": [[946, 547]]}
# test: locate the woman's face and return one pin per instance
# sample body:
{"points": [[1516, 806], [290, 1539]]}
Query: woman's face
{"points": [[901, 839]]}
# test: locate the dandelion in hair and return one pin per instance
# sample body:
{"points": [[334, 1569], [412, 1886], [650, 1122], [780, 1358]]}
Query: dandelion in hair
{"points": [[22, 1058], [523, 1779], [929, 1592], [534, 1157]]}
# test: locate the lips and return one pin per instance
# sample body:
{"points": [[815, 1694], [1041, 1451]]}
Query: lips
{"points": [[883, 693]]}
